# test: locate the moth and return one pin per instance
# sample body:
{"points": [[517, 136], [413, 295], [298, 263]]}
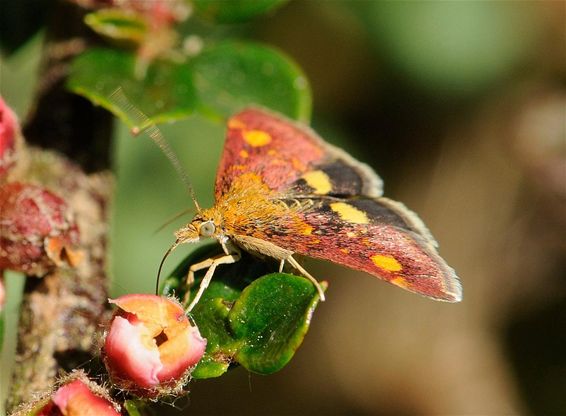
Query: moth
{"points": [[281, 190]]}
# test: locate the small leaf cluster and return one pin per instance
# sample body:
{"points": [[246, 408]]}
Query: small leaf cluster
{"points": [[145, 57], [250, 315]]}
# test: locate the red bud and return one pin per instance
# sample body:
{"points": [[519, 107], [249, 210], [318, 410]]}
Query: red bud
{"points": [[77, 399], [37, 231]]}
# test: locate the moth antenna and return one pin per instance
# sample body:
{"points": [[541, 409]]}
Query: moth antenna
{"points": [[171, 219], [169, 250], [143, 123]]}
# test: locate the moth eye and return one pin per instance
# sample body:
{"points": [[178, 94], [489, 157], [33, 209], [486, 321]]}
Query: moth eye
{"points": [[207, 229]]}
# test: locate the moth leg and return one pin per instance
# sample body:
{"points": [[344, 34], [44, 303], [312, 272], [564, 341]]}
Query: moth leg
{"points": [[281, 264], [306, 274], [195, 268], [228, 248], [211, 263]]}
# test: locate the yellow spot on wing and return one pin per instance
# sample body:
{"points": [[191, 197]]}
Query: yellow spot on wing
{"points": [[319, 181], [349, 213], [234, 123], [401, 282], [351, 234], [244, 154], [256, 138], [387, 263], [307, 230]]}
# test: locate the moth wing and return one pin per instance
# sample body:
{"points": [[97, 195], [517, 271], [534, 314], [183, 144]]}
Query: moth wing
{"points": [[290, 158], [335, 209], [376, 235]]}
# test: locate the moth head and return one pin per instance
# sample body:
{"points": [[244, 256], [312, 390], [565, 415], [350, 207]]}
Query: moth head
{"points": [[198, 228], [188, 234], [202, 226]]}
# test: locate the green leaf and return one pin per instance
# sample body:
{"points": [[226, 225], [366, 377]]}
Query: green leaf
{"points": [[232, 75], [271, 318], [210, 315], [132, 407], [255, 321], [118, 24], [164, 94], [220, 81], [231, 11]]}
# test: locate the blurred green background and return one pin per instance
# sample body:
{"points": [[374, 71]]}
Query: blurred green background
{"points": [[460, 106]]}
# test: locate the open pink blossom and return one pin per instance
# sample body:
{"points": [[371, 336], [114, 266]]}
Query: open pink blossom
{"points": [[77, 399], [151, 346]]}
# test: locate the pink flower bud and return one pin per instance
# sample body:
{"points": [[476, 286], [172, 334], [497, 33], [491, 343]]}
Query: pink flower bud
{"points": [[151, 346], [77, 399], [37, 231], [8, 129]]}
